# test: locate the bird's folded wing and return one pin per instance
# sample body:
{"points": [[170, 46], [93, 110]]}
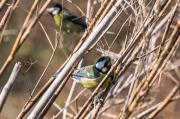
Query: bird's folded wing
{"points": [[72, 18], [78, 73], [86, 72]]}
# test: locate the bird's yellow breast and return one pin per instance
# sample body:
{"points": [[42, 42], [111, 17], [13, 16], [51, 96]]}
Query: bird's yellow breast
{"points": [[66, 25], [91, 84]]}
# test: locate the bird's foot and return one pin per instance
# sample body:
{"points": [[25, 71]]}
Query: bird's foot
{"points": [[101, 102]]}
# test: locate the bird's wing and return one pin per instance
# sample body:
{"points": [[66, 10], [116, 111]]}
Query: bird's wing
{"points": [[88, 72], [73, 18], [82, 72]]}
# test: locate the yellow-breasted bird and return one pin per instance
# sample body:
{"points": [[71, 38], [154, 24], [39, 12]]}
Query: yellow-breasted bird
{"points": [[90, 76], [70, 22]]}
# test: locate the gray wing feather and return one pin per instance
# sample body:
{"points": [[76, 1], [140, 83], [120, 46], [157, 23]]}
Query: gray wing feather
{"points": [[81, 73], [77, 20], [78, 72]]}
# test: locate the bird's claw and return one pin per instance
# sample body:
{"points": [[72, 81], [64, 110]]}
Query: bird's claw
{"points": [[100, 102]]}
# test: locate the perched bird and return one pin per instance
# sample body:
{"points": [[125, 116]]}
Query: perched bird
{"points": [[70, 22], [90, 76]]}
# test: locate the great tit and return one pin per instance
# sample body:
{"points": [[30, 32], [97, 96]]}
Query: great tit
{"points": [[90, 76], [70, 22]]}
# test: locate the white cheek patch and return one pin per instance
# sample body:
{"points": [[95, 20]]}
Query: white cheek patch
{"points": [[56, 11], [50, 9], [53, 10], [100, 65]]}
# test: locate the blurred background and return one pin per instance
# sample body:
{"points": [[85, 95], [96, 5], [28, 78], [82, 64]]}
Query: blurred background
{"points": [[36, 52]]}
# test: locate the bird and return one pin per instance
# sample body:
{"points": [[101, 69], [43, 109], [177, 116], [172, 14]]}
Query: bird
{"points": [[70, 22], [90, 76]]}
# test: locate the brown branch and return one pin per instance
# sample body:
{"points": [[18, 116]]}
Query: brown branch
{"points": [[6, 18], [2, 3], [21, 38], [106, 8], [164, 103], [166, 30], [145, 87], [102, 99]]}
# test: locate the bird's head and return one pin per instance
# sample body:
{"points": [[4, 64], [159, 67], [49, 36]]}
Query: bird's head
{"points": [[103, 64], [54, 8]]}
